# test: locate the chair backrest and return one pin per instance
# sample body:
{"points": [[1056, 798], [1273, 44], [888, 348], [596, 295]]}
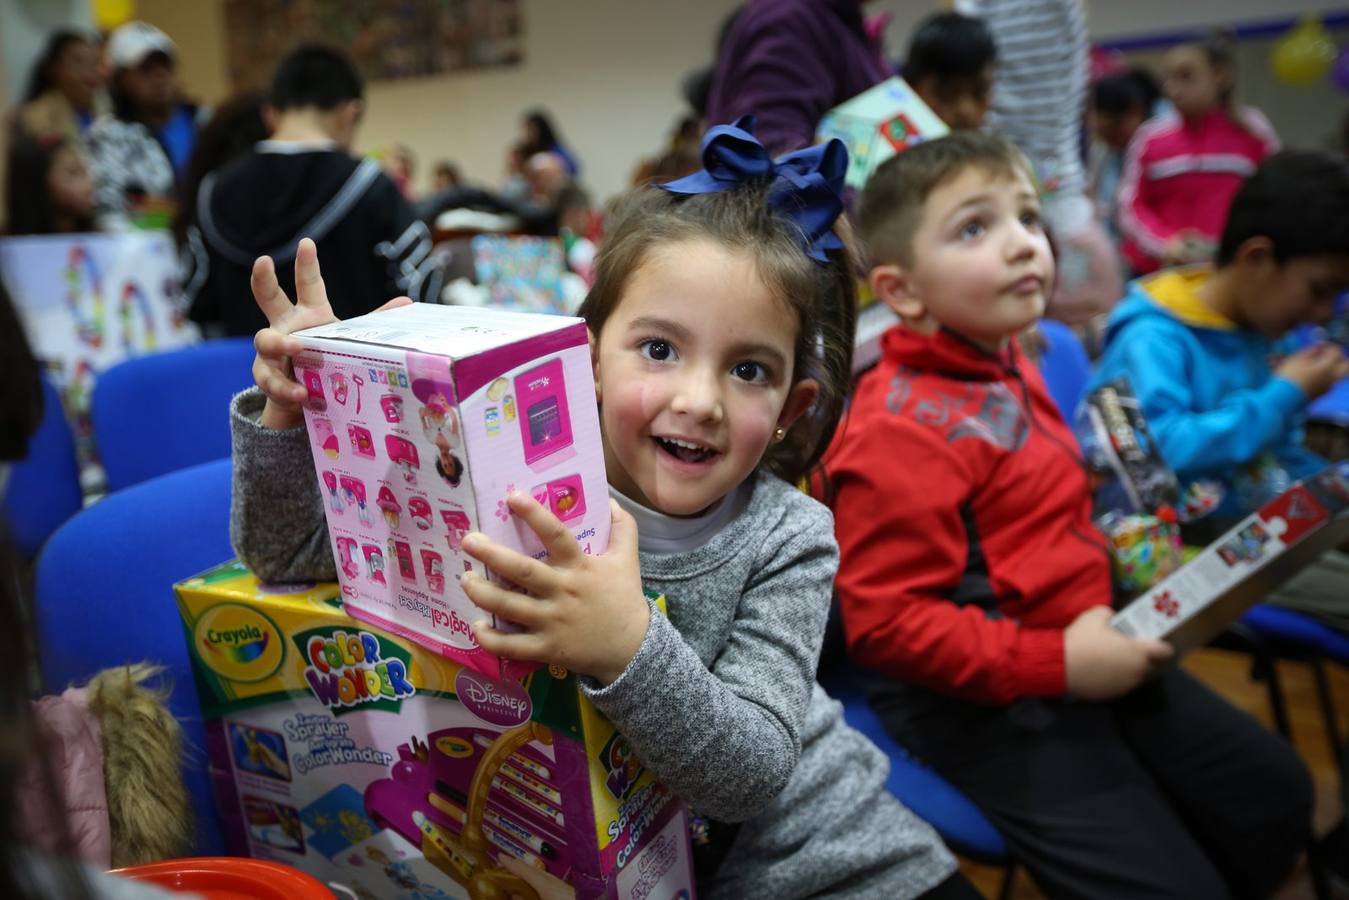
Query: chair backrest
{"points": [[44, 489], [166, 411], [1065, 366], [105, 595]]}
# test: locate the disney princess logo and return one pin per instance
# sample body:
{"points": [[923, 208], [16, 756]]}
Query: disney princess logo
{"points": [[348, 671], [505, 703]]}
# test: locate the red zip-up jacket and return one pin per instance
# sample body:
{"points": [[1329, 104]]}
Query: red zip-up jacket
{"points": [[964, 525]]}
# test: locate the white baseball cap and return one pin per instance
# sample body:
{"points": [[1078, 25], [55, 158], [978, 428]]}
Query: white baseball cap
{"points": [[131, 43]]}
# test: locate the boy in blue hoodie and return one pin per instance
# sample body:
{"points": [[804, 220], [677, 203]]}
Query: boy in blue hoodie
{"points": [[1196, 344]]}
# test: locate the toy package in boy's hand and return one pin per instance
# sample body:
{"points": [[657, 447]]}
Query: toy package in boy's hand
{"points": [[422, 420], [1251, 559], [877, 124], [383, 768]]}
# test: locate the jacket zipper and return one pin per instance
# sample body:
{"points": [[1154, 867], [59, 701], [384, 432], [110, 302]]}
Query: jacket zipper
{"points": [[1096, 541]]}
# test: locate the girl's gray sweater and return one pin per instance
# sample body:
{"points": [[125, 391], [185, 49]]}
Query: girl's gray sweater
{"points": [[720, 702]]}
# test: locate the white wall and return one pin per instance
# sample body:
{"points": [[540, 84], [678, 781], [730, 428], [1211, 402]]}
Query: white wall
{"points": [[609, 70]]}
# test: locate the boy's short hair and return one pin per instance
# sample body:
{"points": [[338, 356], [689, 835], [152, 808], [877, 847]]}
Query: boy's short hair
{"points": [[315, 76], [949, 46], [891, 204], [1118, 94], [1299, 199]]}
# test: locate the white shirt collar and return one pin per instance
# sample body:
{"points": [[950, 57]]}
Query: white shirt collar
{"points": [[662, 534]]}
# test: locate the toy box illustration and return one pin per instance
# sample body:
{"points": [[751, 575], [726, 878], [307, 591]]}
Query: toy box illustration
{"points": [[391, 771], [421, 421], [523, 273], [878, 123], [1251, 559]]}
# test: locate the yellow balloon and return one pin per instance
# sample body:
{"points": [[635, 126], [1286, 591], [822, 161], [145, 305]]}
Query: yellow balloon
{"points": [[108, 14], [1304, 55]]}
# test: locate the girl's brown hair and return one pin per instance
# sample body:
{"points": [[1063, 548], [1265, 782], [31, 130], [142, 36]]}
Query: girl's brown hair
{"points": [[823, 296]]}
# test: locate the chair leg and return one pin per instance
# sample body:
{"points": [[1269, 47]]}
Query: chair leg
{"points": [[1328, 712], [1265, 667], [1009, 881], [1316, 867]]}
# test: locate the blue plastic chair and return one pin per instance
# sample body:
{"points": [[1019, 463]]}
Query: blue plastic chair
{"points": [[166, 411], [105, 597], [961, 824], [1271, 633], [44, 489], [1065, 367]]}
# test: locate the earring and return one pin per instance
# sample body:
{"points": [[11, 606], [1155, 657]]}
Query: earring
{"points": [[779, 434]]}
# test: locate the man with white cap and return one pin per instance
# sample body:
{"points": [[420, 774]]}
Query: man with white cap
{"points": [[139, 151]]}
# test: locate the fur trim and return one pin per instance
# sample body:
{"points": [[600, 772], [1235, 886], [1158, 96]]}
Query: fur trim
{"points": [[148, 805]]}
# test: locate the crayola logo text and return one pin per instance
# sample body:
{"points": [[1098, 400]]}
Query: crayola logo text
{"points": [[238, 643], [246, 635], [348, 670]]}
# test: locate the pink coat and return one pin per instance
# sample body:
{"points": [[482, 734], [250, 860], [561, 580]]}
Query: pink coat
{"points": [[1181, 175], [75, 753]]}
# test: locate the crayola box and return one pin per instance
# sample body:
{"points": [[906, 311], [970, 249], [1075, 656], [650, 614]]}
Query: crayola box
{"points": [[1252, 558], [421, 421], [395, 772]]}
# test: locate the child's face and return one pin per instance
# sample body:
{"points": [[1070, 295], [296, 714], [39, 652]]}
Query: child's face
{"points": [[1277, 298], [694, 373], [962, 103], [1116, 128], [1191, 82], [982, 266], [69, 185]]}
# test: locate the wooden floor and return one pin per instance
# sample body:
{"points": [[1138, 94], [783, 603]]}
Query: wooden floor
{"points": [[1229, 674]]}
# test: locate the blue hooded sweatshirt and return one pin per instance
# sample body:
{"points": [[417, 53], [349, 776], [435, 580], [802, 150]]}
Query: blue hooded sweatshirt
{"points": [[1208, 393]]}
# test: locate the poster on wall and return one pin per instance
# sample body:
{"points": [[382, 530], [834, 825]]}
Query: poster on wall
{"points": [[89, 301], [387, 39]]}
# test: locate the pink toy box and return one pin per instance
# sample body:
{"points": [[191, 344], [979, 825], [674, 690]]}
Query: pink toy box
{"points": [[422, 420], [390, 771]]}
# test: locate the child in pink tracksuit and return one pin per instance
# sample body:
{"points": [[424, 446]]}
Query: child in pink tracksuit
{"points": [[1182, 169]]}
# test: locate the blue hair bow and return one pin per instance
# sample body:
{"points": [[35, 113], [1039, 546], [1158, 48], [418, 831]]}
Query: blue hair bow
{"points": [[807, 185]]}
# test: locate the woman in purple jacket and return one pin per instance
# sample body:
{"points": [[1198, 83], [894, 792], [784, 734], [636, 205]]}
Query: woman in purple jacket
{"points": [[788, 62]]}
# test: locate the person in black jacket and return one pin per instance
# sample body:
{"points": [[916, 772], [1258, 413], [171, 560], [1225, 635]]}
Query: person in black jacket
{"points": [[304, 182]]}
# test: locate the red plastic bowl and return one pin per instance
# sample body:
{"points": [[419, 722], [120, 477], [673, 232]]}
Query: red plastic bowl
{"points": [[230, 878]]}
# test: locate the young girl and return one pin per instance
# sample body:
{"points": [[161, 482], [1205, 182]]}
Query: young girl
{"points": [[50, 191], [721, 323], [1182, 170]]}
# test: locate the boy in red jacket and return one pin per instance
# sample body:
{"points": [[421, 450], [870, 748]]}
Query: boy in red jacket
{"points": [[973, 583]]}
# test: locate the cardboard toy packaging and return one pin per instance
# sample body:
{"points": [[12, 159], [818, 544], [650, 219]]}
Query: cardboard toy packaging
{"points": [[875, 125], [422, 420], [878, 123], [1252, 558], [394, 772]]}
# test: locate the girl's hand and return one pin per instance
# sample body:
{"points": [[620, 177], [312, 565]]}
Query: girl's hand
{"points": [[587, 613], [271, 367]]}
